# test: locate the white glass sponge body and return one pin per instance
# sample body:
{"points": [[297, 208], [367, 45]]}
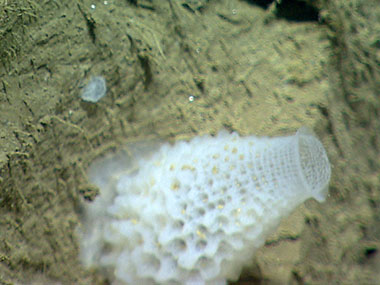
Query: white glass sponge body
{"points": [[195, 212]]}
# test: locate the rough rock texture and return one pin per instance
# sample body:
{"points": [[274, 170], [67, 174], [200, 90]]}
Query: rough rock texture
{"points": [[175, 69]]}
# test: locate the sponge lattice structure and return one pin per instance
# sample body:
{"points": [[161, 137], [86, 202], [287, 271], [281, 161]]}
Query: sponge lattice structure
{"points": [[195, 212]]}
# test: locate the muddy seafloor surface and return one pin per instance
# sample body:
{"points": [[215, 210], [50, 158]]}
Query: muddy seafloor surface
{"points": [[174, 70]]}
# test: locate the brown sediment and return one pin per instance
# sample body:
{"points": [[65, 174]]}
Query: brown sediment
{"points": [[253, 69]]}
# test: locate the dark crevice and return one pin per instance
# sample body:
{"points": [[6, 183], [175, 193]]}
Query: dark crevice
{"points": [[188, 8], [146, 66], [297, 11], [291, 10], [370, 252], [90, 22], [261, 3]]}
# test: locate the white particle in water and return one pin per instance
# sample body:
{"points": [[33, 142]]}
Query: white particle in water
{"points": [[94, 90]]}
